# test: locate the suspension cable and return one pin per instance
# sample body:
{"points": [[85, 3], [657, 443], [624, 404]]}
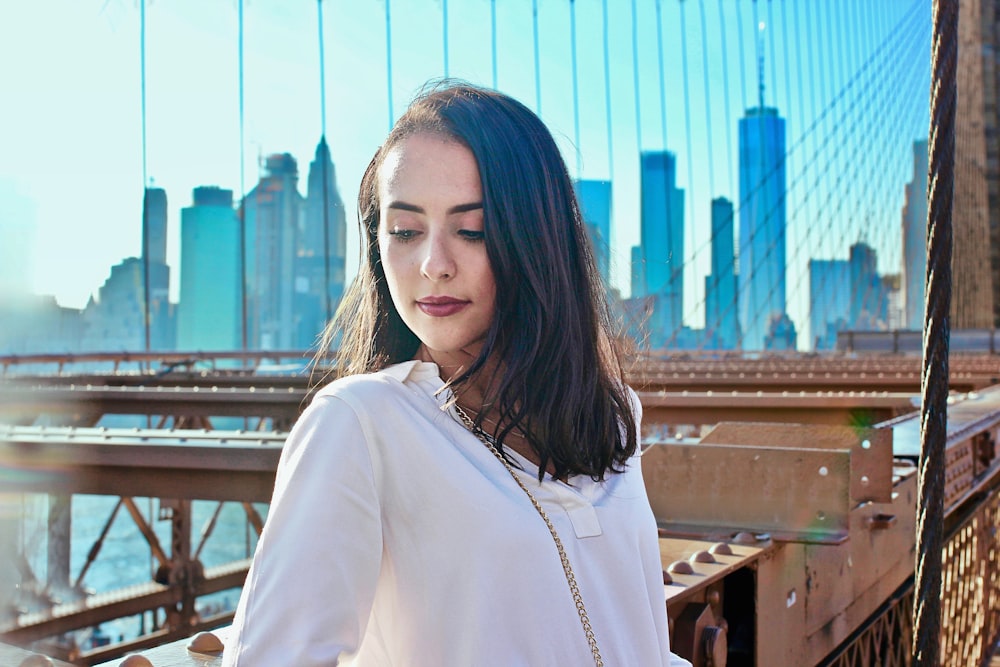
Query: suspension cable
{"points": [[934, 369]]}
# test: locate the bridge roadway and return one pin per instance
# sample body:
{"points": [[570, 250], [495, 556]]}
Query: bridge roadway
{"points": [[691, 372], [239, 465], [686, 391]]}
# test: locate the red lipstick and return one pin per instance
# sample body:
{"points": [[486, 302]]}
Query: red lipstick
{"points": [[441, 306]]}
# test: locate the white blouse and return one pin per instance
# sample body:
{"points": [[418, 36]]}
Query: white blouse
{"points": [[395, 537]]}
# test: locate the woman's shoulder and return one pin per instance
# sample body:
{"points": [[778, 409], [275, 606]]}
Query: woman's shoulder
{"points": [[397, 378]]}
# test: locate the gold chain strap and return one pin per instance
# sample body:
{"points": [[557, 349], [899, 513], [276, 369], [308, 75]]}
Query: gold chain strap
{"points": [[567, 569]]}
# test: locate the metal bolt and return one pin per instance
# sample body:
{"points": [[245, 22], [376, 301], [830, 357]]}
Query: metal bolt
{"points": [[205, 643]]}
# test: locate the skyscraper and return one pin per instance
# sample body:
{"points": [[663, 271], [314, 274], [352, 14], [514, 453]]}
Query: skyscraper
{"points": [[721, 325], [595, 207], [915, 240], [321, 250], [154, 243], [761, 281], [113, 321], [154, 259], [272, 215], [211, 302], [662, 239], [866, 288], [829, 301]]}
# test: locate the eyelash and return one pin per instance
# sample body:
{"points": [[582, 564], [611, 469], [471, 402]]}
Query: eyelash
{"points": [[470, 235], [403, 234]]}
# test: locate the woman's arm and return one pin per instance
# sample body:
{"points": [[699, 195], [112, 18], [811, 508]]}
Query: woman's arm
{"points": [[309, 592]]}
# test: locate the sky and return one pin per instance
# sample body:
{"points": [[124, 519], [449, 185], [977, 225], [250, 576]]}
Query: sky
{"points": [[72, 164]]}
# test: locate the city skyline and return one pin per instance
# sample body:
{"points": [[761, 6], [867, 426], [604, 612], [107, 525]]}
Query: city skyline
{"points": [[609, 151]]}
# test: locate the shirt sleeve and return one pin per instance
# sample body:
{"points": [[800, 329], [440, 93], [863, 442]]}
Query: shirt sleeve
{"points": [[677, 661], [309, 591]]}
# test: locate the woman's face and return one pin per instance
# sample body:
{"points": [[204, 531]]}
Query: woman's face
{"points": [[430, 238]]}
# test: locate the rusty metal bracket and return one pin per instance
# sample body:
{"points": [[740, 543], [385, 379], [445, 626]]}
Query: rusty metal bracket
{"points": [[795, 494], [871, 449]]}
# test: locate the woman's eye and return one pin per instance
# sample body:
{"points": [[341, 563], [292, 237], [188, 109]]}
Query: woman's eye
{"points": [[471, 234], [402, 234]]}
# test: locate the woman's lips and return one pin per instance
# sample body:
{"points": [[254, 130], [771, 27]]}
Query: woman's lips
{"points": [[440, 306]]}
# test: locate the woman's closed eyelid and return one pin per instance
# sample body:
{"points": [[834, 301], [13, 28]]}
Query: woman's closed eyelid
{"points": [[402, 233]]}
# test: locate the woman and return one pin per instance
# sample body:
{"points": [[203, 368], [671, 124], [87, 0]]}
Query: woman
{"points": [[468, 492]]}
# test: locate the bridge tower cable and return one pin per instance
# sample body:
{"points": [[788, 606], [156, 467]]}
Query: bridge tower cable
{"points": [[493, 39], [607, 96], [388, 61], [577, 149], [444, 35], [663, 85], [785, 32], [690, 195], [937, 307], [145, 179], [609, 127], [324, 169], [244, 301], [538, 64], [730, 159], [709, 145], [742, 49], [635, 78], [774, 60]]}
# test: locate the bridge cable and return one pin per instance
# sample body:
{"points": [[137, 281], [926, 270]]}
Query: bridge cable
{"points": [[635, 79], [145, 178], [934, 369], [444, 34], [388, 60], [607, 100], [691, 198], [538, 67], [576, 90], [726, 104], [743, 68], [244, 303], [325, 159], [663, 85], [493, 39]]}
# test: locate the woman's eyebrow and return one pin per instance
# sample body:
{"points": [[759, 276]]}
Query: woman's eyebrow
{"points": [[462, 208], [413, 208]]}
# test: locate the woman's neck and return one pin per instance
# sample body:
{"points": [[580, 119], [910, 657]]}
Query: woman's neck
{"points": [[472, 395]]}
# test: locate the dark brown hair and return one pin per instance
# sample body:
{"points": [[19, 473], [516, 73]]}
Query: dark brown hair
{"points": [[559, 379]]}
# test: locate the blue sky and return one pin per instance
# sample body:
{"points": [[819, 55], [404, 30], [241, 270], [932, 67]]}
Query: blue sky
{"points": [[70, 128]]}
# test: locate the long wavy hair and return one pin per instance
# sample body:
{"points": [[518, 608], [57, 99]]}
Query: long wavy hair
{"points": [[557, 376]]}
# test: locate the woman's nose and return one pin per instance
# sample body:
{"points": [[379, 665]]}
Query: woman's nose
{"points": [[438, 263]]}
